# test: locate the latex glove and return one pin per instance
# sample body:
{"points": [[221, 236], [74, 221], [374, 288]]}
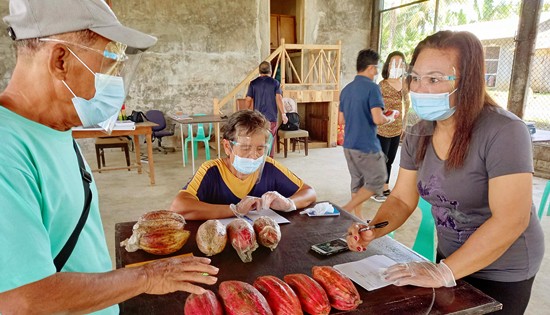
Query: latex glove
{"points": [[421, 274], [358, 241], [276, 201], [391, 115], [246, 205], [284, 118]]}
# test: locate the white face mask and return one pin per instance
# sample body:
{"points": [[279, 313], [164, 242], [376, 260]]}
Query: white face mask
{"points": [[106, 102], [396, 73]]}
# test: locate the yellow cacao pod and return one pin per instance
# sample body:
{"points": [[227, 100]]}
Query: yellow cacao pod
{"points": [[159, 232]]}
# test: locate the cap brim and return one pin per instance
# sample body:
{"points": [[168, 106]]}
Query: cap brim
{"points": [[126, 35]]}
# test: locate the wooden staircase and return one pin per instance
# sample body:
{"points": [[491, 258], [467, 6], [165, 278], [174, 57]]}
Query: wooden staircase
{"points": [[310, 74]]}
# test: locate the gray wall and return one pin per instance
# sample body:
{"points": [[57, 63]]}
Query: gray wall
{"points": [[207, 47]]}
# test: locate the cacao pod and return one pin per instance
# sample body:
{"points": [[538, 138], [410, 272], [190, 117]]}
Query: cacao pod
{"points": [[279, 295], [241, 298], [341, 291], [211, 237], [242, 238], [159, 232], [267, 231], [203, 304], [312, 296]]}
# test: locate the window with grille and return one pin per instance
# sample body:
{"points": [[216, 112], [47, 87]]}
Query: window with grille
{"points": [[492, 54]]}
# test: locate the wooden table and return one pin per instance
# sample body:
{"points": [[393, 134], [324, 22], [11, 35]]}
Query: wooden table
{"points": [[143, 128], [293, 255], [198, 119]]}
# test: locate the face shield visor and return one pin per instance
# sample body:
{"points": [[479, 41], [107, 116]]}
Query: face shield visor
{"points": [[397, 70], [429, 98], [119, 63], [250, 152]]}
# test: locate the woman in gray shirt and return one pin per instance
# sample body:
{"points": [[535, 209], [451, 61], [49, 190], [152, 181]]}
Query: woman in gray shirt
{"points": [[472, 161]]}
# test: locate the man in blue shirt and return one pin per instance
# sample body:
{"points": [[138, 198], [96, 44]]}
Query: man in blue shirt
{"points": [[264, 95], [361, 110]]}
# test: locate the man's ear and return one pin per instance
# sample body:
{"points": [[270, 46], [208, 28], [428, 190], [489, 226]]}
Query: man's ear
{"points": [[57, 62], [226, 146]]}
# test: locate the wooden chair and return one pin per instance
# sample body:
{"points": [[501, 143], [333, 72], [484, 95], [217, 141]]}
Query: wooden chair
{"points": [[111, 142], [295, 136]]}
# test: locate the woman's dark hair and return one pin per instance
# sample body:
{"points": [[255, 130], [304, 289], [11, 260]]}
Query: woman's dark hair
{"points": [[385, 69], [471, 94], [244, 123]]}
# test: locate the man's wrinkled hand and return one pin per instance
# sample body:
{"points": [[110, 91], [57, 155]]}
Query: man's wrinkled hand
{"points": [[179, 274]]}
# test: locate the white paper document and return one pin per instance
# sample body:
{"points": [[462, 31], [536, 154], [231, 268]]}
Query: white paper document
{"points": [[253, 215], [367, 272]]}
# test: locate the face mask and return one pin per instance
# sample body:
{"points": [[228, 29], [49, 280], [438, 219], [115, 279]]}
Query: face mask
{"points": [[107, 101], [432, 106], [246, 165], [396, 73]]}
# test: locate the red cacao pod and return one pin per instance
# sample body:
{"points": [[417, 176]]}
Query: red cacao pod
{"points": [[342, 293], [203, 304], [312, 296], [279, 295], [243, 239], [241, 298]]}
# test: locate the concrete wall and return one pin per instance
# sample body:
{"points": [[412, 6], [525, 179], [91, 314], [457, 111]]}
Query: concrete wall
{"points": [[327, 21]]}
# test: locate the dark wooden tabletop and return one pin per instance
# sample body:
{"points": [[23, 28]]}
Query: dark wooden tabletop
{"points": [[293, 255]]}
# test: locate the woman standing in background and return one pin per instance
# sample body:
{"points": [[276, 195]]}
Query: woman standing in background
{"points": [[392, 92]]}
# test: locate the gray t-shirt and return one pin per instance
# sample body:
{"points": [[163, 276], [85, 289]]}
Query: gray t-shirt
{"points": [[500, 145]]}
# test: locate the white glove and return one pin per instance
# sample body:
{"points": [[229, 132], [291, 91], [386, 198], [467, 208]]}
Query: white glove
{"points": [[246, 205], [391, 115], [276, 201], [421, 274]]}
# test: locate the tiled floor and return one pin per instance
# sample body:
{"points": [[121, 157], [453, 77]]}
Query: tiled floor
{"points": [[124, 196]]}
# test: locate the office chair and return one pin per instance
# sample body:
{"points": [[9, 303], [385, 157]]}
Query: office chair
{"points": [[425, 238], [162, 130], [200, 136]]}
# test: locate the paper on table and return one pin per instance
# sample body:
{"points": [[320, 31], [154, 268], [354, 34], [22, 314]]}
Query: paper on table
{"points": [[367, 272], [253, 215]]}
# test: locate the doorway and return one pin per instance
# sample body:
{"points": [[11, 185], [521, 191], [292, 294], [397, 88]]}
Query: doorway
{"points": [[286, 20]]}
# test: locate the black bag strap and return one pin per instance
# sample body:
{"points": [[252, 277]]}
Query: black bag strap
{"points": [[61, 258]]}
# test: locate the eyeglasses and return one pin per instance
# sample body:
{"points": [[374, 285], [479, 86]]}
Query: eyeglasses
{"points": [[244, 150], [114, 55], [429, 81]]}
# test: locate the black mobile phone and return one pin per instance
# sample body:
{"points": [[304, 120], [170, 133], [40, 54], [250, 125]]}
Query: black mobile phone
{"points": [[331, 247]]}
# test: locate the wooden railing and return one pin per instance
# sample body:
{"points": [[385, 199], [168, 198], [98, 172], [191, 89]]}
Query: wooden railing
{"points": [[307, 67]]}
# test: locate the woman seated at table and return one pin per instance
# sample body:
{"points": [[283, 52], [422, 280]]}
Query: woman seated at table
{"points": [[472, 161], [247, 179]]}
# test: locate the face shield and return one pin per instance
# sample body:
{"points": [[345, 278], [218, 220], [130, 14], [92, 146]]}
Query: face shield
{"points": [[397, 70], [119, 63], [250, 152], [429, 99]]}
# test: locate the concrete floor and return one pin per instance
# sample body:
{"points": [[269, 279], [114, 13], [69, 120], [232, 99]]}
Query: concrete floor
{"points": [[124, 195]]}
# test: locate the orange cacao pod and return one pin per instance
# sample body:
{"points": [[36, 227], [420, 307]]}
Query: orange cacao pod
{"points": [[312, 296], [279, 295], [267, 232], [342, 293], [203, 304], [241, 298], [159, 232]]}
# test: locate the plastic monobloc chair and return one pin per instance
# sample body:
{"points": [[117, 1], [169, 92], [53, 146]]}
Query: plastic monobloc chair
{"points": [[425, 237], [200, 136], [543, 201]]}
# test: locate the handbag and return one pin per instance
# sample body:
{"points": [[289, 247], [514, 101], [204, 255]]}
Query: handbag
{"points": [[137, 116], [61, 258]]}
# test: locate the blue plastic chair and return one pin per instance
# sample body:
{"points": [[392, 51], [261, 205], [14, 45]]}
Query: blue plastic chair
{"points": [[425, 237], [200, 136], [543, 201]]}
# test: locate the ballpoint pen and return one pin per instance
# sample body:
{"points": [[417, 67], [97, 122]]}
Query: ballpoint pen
{"points": [[371, 227]]}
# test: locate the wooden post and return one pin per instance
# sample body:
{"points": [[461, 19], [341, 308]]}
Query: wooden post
{"points": [[525, 46], [283, 64]]}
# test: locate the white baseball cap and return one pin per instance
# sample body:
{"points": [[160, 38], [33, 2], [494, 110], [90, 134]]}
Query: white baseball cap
{"points": [[41, 18]]}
